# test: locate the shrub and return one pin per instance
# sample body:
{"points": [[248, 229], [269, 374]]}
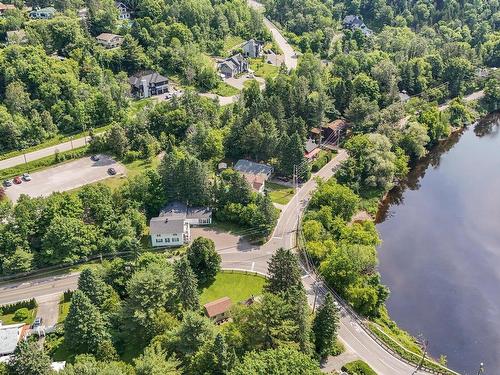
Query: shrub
{"points": [[21, 314], [358, 368], [11, 308]]}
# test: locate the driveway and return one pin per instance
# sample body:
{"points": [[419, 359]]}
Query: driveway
{"points": [[65, 177], [48, 309], [239, 83]]}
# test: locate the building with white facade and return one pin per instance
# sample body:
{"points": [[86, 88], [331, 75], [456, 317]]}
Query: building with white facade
{"points": [[173, 226]]}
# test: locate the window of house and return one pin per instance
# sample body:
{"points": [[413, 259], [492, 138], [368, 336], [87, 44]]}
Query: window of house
{"points": [[158, 240], [175, 240], [167, 239]]}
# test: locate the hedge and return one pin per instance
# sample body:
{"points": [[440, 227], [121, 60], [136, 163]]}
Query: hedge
{"points": [[13, 307], [358, 368]]}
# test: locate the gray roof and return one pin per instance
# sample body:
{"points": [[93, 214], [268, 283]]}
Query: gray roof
{"points": [[247, 166], [310, 146], [9, 336], [44, 10], [166, 225], [199, 213], [179, 210], [150, 77], [234, 61]]}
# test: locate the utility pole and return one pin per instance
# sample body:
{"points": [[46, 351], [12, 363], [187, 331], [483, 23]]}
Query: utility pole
{"points": [[424, 344], [315, 287]]}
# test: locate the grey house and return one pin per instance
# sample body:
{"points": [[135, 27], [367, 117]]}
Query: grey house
{"points": [[148, 83], [43, 14], [233, 66], [352, 22], [252, 48]]}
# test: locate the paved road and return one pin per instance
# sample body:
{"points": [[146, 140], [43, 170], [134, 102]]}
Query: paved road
{"points": [[65, 177], [474, 96], [30, 156], [236, 253], [290, 58]]}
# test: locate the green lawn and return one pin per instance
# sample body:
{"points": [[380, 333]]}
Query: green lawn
{"points": [[223, 89], [136, 106], [247, 83], [279, 193], [237, 286], [9, 318], [263, 69], [63, 310], [230, 43]]}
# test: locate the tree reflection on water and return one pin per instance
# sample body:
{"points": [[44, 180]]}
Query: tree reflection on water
{"points": [[488, 126]]}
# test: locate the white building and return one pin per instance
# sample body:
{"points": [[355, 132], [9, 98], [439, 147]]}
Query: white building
{"points": [[109, 40], [124, 12], [9, 337], [173, 226]]}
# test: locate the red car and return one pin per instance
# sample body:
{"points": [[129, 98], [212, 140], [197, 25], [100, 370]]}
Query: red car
{"points": [[17, 180]]}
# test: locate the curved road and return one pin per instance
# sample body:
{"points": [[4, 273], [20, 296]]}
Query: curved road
{"points": [[252, 258]]}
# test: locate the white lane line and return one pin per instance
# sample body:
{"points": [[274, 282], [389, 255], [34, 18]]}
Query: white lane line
{"points": [[253, 266]]}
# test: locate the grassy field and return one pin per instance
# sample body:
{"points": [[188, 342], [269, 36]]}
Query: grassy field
{"points": [[237, 286], [63, 310], [9, 318], [279, 193], [230, 43], [223, 89], [263, 69]]}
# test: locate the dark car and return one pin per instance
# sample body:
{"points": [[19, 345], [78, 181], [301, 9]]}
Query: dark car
{"points": [[95, 158], [18, 180], [112, 171], [37, 323], [7, 183]]}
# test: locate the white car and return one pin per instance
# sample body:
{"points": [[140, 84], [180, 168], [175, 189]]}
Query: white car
{"points": [[26, 177]]}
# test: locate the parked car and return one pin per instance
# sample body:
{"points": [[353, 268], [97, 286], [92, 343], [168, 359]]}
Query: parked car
{"points": [[95, 158], [7, 183], [17, 180], [37, 323], [26, 177], [112, 171]]}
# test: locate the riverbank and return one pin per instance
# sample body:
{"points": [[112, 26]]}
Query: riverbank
{"points": [[437, 291]]}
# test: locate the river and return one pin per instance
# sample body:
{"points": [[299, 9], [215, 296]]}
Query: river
{"points": [[440, 254]]}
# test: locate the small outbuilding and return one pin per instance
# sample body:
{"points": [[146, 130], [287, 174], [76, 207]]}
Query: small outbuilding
{"points": [[218, 310]]}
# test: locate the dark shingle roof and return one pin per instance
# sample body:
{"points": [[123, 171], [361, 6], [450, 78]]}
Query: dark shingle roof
{"points": [[165, 225], [150, 77]]}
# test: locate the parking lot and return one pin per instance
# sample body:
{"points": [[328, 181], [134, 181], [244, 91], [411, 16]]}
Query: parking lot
{"points": [[65, 177]]}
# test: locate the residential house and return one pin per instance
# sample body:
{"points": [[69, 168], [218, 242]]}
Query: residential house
{"points": [[43, 13], [352, 22], [255, 173], [83, 14], [252, 48], [124, 12], [148, 83], [311, 149], [403, 96], [173, 226], [109, 40], [10, 335], [233, 66], [334, 132], [6, 7], [167, 231], [218, 310], [17, 37]]}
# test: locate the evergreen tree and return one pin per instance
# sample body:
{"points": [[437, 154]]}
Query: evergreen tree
{"points": [[325, 327], [29, 359], [84, 328], [94, 288], [300, 315], [215, 358], [186, 285], [292, 154], [266, 216], [284, 272], [155, 362], [204, 259]]}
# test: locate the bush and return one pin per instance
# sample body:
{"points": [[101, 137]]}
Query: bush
{"points": [[21, 314], [131, 156], [358, 368], [11, 308]]}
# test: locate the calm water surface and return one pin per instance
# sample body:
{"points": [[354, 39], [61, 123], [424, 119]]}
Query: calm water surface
{"points": [[440, 254]]}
